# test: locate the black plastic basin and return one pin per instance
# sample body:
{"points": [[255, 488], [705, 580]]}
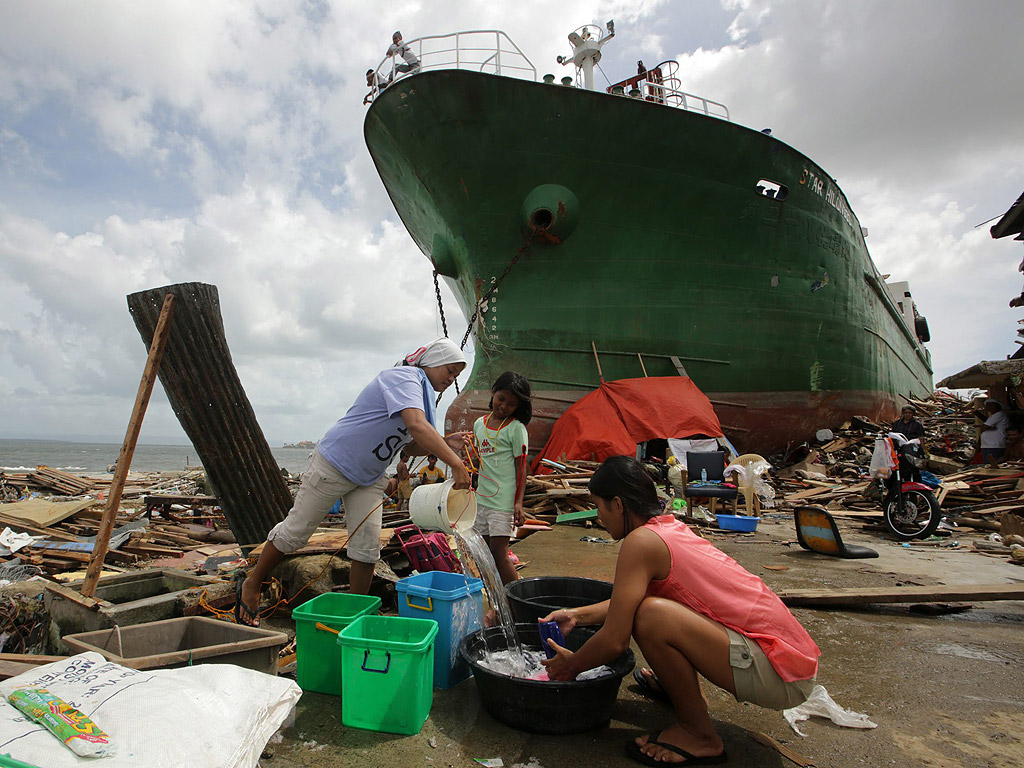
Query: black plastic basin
{"points": [[532, 599], [543, 706]]}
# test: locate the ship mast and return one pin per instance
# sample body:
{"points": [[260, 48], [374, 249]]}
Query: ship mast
{"points": [[587, 42]]}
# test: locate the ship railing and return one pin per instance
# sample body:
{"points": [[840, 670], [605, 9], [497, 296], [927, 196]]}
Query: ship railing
{"points": [[661, 85], [479, 50]]}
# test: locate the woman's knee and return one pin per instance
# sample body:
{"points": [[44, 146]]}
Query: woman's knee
{"points": [[653, 617]]}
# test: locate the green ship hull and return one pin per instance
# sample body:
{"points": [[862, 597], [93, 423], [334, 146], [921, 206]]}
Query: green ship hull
{"points": [[644, 233]]}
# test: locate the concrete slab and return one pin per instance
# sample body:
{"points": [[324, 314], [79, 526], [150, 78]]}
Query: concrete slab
{"points": [[129, 598], [946, 691]]}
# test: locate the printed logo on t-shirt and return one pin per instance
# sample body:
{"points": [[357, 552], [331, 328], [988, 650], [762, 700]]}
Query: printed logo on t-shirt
{"points": [[385, 451], [486, 446]]}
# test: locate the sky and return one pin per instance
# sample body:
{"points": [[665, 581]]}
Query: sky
{"points": [[145, 144]]}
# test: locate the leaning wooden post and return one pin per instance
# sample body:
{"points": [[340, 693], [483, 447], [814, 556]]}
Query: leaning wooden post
{"points": [[124, 461], [597, 360]]}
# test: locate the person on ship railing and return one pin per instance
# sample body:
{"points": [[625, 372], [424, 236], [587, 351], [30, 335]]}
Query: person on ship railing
{"points": [[399, 48], [376, 82]]}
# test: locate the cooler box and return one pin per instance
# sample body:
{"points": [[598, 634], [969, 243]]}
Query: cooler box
{"points": [[386, 673], [319, 658], [456, 603]]}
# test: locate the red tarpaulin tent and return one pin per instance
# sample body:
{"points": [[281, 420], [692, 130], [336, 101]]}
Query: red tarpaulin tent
{"points": [[611, 420]]}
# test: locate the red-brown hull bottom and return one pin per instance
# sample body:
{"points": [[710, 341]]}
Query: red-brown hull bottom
{"points": [[755, 422]]}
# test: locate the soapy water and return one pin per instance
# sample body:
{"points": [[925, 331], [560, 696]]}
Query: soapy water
{"points": [[505, 663]]}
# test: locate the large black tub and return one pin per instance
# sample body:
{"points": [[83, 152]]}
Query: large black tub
{"points": [[543, 706], [532, 599]]}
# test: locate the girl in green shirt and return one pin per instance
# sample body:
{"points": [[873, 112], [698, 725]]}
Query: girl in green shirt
{"points": [[502, 442]]}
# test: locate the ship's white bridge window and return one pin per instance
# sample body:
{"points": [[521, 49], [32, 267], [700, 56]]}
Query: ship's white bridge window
{"points": [[772, 189]]}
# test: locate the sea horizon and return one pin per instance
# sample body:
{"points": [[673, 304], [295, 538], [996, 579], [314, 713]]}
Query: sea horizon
{"points": [[76, 456]]}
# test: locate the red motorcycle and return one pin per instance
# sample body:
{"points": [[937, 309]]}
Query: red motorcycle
{"points": [[909, 507]]}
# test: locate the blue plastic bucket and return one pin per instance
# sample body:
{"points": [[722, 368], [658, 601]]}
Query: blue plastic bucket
{"points": [[455, 601]]}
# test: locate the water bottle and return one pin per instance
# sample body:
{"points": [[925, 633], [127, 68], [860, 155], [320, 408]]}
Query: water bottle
{"points": [[703, 474]]}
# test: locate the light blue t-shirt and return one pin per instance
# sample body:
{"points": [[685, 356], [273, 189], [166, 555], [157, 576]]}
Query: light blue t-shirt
{"points": [[365, 440]]}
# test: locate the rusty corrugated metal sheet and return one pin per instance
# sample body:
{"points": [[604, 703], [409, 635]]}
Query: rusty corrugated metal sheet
{"points": [[203, 388]]}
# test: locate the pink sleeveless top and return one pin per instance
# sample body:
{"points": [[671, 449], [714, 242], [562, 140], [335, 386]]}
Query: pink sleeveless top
{"points": [[708, 581]]}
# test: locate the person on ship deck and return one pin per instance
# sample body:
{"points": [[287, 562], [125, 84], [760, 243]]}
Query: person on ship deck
{"points": [[399, 48]]}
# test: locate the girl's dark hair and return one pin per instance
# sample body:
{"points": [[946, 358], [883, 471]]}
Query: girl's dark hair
{"points": [[626, 478], [512, 382]]}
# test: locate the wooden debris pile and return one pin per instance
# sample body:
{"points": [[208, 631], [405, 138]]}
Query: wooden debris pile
{"points": [[55, 482], [65, 535], [561, 491], [836, 473]]}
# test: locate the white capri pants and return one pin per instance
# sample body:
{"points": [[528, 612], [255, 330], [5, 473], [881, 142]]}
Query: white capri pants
{"points": [[322, 485]]}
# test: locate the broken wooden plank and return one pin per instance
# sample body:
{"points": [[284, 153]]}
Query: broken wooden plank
{"points": [[782, 749], [909, 594]]}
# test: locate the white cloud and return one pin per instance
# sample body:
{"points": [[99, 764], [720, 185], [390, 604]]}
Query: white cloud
{"points": [[144, 144]]}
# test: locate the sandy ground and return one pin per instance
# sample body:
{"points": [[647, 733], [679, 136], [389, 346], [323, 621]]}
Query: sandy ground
{"points": [[946, 691]]}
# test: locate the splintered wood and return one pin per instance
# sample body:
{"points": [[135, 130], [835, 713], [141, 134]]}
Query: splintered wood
{"points": [[564, 490]]}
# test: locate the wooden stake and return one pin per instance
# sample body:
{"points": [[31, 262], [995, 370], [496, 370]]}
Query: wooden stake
{"points": [[597, 360], [124, 461], [642, 366]]}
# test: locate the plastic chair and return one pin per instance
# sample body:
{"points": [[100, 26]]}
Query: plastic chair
{"points": [[746, 482], [712, 464], [816, 530]]}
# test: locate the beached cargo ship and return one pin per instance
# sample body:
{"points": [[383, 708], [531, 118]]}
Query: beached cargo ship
{"points": [[638, 232]]}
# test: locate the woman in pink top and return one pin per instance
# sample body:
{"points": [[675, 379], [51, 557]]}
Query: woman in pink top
{"points": [[692, 609]]}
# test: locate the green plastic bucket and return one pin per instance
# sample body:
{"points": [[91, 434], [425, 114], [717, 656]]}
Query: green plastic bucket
{"points": [[387, 674], [319, 658]]}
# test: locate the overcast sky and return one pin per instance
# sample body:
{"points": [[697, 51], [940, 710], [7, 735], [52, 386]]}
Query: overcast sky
{"points": [[143, 144]]}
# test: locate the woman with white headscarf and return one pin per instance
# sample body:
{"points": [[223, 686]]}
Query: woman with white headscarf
{"points": [[394, 411]]}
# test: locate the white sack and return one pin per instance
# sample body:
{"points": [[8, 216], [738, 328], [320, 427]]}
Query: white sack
{"points": [[204, 716]]}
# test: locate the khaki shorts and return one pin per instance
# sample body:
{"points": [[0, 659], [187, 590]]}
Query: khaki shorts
{"points": [[322, 485], [756, 679], [491, 522]]}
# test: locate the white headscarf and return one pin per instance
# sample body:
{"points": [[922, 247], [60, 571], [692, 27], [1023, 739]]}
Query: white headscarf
{"points": [[438, 352]]}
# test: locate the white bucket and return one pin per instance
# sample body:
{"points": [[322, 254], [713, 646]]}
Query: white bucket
{"points": [[439, 507]]}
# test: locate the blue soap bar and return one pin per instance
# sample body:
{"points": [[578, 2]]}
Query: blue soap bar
{"points": [[549, 629]]}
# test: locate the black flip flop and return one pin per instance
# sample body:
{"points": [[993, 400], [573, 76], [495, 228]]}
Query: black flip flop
{"points": [[244, 615], [635, 752], [648, 688]]}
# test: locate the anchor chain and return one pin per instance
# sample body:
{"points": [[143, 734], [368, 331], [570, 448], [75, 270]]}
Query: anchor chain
{"points": [[480, 301]]}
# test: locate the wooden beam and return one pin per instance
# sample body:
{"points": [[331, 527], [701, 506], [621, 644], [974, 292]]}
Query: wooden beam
{"points": [[816, 598], [124, 461], [679, 366]]}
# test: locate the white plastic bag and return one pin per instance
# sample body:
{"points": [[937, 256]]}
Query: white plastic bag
{"points": [[881, 460], [204, 716], [819, 703]]}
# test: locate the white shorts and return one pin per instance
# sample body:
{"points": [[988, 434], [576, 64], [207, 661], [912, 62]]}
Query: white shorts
{"points": [[322, 485], [492, 522]]}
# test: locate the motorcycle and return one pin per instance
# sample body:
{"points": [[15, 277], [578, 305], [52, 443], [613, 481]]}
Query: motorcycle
{"points": [[909, 507]]}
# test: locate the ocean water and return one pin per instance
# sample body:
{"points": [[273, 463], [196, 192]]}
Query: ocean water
{"points": [[22, 455]]}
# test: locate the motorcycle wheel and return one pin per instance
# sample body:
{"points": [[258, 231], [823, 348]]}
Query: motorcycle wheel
{"points": [[919, 517]]}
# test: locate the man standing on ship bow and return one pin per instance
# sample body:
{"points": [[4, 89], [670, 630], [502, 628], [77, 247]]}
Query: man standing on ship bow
{"points": [[399, 48]]}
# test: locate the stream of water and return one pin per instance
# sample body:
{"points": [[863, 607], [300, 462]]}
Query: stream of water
{"points": [[472, 546], [516, 661]]}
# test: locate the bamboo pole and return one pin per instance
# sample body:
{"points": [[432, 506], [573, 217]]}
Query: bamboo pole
{"points": [[597, 360], [124, 460], [642, 366]]}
